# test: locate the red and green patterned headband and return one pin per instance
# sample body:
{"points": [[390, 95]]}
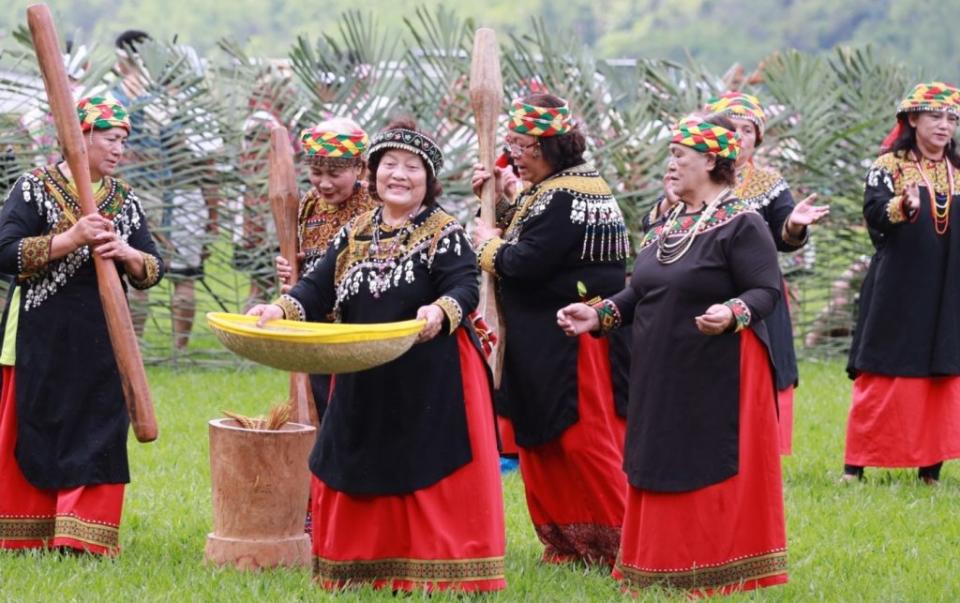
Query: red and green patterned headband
{"points": [[739, 105], [318, 142], [934, 96], [705, 137], [102, 113], [539, 121]]}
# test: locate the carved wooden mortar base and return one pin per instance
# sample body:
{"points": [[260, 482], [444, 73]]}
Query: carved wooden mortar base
{"points": [[261, 484]]}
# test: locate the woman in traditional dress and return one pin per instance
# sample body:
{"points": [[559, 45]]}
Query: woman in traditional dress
{"points": [[705, 503], [765, 190], [333, 150], [63, 422], [406, 488], [905, 356], [565, 397]]}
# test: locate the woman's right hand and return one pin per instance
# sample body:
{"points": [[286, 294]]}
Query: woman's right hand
{"points": [[577, 318], [266, 312], [92, 229]]}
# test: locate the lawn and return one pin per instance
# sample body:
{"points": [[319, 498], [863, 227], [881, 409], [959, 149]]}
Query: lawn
{"points": [[889, 539]]}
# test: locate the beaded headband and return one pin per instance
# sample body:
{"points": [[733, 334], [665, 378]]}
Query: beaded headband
{"points": [[539, 121], [705, 137], [326, 143], [102, 113], [933, 96], [413, 142], [739, 105]]}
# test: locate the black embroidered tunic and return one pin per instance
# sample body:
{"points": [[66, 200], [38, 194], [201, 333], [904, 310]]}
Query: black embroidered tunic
{"points": [[908, 323], [401, 426], [683, 417], [71, 418], [566, 229], [765, 191]]}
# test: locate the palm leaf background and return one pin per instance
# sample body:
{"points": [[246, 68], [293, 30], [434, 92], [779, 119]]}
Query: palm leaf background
{"points": [[827, 115]]}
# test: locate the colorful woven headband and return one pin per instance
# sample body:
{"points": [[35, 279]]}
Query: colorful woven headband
{"points": [[739, 105], [706, 137], [102, 113], [935, 96], [539, 121], [413, 142], [325, 143]]}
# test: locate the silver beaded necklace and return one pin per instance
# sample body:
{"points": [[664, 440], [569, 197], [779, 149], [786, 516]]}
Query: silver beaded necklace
{"points": [[671, 248]]}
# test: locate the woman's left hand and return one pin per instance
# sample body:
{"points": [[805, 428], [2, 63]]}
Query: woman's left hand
{"points": [[806, 213], [434, 317], [482, 232], [110, 246], [716, 320]]}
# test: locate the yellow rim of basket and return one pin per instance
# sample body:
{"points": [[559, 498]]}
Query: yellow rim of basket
{"points": [[311, 332]]}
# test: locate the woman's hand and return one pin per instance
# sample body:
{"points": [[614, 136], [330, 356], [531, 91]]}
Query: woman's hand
{"points": [[511, 182], [434, 317], [804, 214], [577, 318], [481, 175], [285, 271], [109, 246], [716, 320], [87, 230], [912, 193], [266, 312], [482, 232]]}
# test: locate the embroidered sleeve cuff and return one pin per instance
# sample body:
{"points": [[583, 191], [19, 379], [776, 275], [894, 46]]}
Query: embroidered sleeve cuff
{"points": [[151, 268], [608, 314], [741, 313], [451, 308], [791, 240], [896, 209], [487, 254], [292, 309], [33, 254]]}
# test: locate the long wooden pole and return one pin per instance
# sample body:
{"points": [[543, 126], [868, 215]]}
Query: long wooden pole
{"points": [[486, 98], [284, 204], [136, 392]]}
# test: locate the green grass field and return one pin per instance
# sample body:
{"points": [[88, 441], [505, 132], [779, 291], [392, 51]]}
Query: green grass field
{"points": [[889, 539]]}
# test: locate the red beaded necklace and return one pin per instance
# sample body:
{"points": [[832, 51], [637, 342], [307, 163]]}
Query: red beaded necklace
{"points": [[940, 212]]}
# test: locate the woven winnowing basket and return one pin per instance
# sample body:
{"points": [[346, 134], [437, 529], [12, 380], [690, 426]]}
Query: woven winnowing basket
{"points": [[314, 347]]}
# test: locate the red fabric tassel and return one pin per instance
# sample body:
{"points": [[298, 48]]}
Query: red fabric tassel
{"points": [[887, 143]]}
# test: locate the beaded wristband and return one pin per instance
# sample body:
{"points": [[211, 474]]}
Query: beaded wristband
{"points": [[608, 315], [741, 313]]}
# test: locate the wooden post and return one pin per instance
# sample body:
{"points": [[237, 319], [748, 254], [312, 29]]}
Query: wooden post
{"points": [[126, 349], [486, 98], [285, 204]]}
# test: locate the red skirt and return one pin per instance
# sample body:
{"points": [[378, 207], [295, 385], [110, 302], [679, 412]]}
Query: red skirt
{"points": [[575, 485], [903, 421], [85, 518], [725, 537], [508, 443], [447, 536], [785, 404]]}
